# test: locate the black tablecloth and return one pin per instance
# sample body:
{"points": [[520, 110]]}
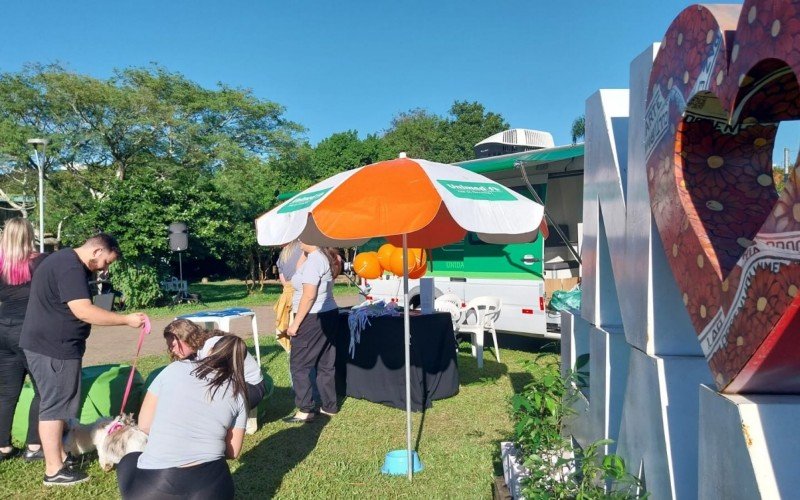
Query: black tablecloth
{"points": [[377, 372]]}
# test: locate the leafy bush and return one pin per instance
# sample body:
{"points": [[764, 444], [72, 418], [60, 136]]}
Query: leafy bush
{"points": [[138, 283], [557, 469]]}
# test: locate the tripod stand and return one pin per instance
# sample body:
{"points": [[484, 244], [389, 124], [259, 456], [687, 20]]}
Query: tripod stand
{"points": [[183, 295]]}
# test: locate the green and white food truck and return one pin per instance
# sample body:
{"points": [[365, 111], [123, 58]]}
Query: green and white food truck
{"points": [[522, 275]]}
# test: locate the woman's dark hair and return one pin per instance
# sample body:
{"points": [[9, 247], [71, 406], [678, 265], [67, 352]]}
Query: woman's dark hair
{"points": [[223, 367], [334, 259], [106, 242]]}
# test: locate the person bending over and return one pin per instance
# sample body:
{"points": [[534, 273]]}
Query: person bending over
{"points": [[188, 340], [195, 414]]}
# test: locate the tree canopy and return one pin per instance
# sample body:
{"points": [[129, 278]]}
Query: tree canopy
{"points": [[146, 147], [444, 139]]}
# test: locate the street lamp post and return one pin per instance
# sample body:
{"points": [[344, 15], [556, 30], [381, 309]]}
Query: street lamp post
{"points": [[40, 165]]}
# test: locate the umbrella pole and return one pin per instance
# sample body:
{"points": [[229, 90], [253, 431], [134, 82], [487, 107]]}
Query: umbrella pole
{"points": [[407, 338]]}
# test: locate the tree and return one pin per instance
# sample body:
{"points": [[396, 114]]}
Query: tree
{"points": [[471, 123], [341, 151], [139, 210], [144, 148], [418, 133], [98, 127], [425, 135], [578, 128]]}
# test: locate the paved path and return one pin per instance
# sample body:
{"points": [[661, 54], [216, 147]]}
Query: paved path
{"points": [[117, 344]]}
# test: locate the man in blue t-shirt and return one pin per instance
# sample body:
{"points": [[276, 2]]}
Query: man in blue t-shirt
{"points": [[58, 320]]}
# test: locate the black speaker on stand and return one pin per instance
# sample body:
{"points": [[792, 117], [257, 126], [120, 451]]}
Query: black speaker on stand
{"points": [[179, 242]]}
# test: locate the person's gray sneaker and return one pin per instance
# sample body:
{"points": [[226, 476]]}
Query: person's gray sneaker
{"points": [[65, 477], [33, 456]]}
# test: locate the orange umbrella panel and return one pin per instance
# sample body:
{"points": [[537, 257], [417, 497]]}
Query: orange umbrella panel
{"points": [[386, 198]]}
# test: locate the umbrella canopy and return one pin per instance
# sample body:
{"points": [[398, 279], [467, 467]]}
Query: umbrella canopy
{"points": [[433, 204], [413, 203]]}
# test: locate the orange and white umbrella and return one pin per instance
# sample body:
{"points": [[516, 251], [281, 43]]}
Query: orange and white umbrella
{"points": [[413, 203], [433, 204]]}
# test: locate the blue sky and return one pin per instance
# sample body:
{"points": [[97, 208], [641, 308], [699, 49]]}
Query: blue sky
{"points": [[353, 65]]}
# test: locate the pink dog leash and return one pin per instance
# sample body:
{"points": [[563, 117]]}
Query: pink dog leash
{"points": [[145, 330]]}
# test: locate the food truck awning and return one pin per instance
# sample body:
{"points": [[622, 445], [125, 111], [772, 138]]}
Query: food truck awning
{"points": [[494, 164], [529, 158]]}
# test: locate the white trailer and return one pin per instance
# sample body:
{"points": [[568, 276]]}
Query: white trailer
{"points": [[522, 275]]}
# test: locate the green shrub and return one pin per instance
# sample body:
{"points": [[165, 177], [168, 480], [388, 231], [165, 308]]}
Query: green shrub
{"points": [[557, 469], [138, 283]]}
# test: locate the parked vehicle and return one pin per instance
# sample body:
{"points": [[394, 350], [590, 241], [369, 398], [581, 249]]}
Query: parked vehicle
{"points": [[523, 275]]}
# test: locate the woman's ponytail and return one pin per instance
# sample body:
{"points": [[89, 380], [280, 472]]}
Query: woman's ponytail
{"points": [[334, 259], [224, 367]]}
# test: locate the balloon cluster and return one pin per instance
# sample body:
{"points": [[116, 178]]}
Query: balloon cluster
{"points": [[370, 265]]}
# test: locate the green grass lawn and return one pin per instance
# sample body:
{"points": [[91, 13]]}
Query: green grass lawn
{"points": [[458, 442], [232, 293]]}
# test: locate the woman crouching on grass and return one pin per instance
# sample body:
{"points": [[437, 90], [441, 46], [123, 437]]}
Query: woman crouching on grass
{"points": [[187, 340], [195, 414]]}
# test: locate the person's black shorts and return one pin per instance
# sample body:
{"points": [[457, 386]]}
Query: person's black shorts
{"points": [[59, 384]]}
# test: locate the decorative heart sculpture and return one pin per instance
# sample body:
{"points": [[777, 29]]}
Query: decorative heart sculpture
{"points": [[717, 92]]}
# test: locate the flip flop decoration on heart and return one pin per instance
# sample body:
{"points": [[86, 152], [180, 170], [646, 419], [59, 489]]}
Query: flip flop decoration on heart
{"points": [[722, 81]]}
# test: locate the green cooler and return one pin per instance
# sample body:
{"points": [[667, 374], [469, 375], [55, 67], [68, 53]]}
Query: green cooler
{"points": [[102, 388]]}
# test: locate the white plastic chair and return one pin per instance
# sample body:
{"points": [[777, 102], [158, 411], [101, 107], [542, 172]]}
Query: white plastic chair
{"points": [[440, 305], [451, 298], [450, 303], [175, 285], [479, 316]]}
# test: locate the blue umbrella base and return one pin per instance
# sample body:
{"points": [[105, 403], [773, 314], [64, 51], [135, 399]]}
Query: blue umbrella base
{"points": [[396, 463]]}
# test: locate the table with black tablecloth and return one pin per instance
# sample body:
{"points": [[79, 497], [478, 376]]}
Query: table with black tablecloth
{"points": [[377, 372]]}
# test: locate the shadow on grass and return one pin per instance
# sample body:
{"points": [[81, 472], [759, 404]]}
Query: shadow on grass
{"points": [[528, 344], [221, 292], [519, 380], [419, 431], [267, 353], [497, 460], [468, 371], [281, 404], [262, 468]]}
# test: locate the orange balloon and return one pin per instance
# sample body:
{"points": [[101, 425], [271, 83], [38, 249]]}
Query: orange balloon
{"points": [[385, 255], [416, 259], [396, 262], [367, 266]]}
